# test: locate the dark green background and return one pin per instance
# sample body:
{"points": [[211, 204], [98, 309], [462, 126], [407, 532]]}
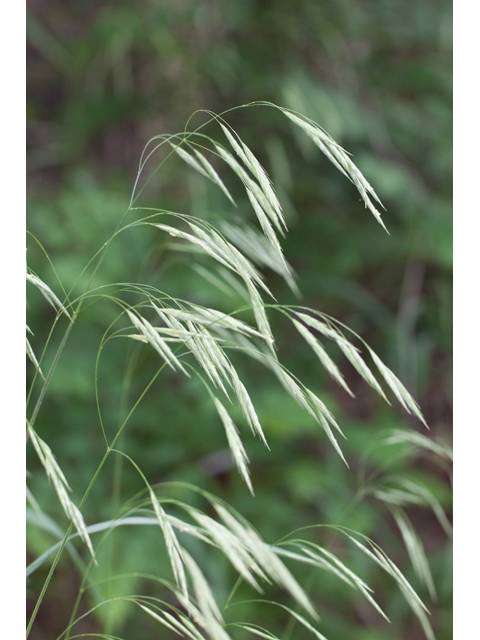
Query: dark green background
{"points": [[105, 77]]}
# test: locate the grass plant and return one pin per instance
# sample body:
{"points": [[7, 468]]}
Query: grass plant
{"points": [[202, 343]]}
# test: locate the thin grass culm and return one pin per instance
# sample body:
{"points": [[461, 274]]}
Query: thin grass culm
{"points": [[202, 346]]}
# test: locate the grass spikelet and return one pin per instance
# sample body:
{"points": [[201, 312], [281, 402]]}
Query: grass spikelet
{"points": [[267, 227], [156, 341], [172, 623], [213, 251], [357, 361], [233, 548], [187, 627], [174, 550], [340, 159], [213, 175], [205, 620], [224, 252], [267, 559], [257, 248], [302, 621], [216, 319], [218, 368], [32, 356], [273, 211], [189, 159], [222, 280], [203, 166], [235, 260], [266, 204], [348, 349], [61, 486], [416, 551], [308, 556], [290, 385], [256, 630], [326, 427], [339, 569], [207, 614], [400, 436], [265, 183], [260, 315], [322, 409], [415, 603], [185, 527], [238, 149], [326, 329], [215, 353], [323, 356], [427, 497], [348, 574], [233, 164], [315, 407], [212, 319], [202, 346], [203, 592], [47, 293], [403, 396], [235, 444], [247, 407], [380, 558]]}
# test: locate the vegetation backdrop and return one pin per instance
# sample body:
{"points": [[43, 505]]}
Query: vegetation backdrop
{"points": [[103, 78]]}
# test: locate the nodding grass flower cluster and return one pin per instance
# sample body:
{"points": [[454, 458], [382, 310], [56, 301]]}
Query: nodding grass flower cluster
{"points": [[195, 340]]}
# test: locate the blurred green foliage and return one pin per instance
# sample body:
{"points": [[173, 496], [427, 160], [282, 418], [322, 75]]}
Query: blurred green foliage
{"points": [[105, 77]]}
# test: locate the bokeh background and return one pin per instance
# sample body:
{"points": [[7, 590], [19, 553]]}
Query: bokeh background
{"points": [[103, 78]]}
